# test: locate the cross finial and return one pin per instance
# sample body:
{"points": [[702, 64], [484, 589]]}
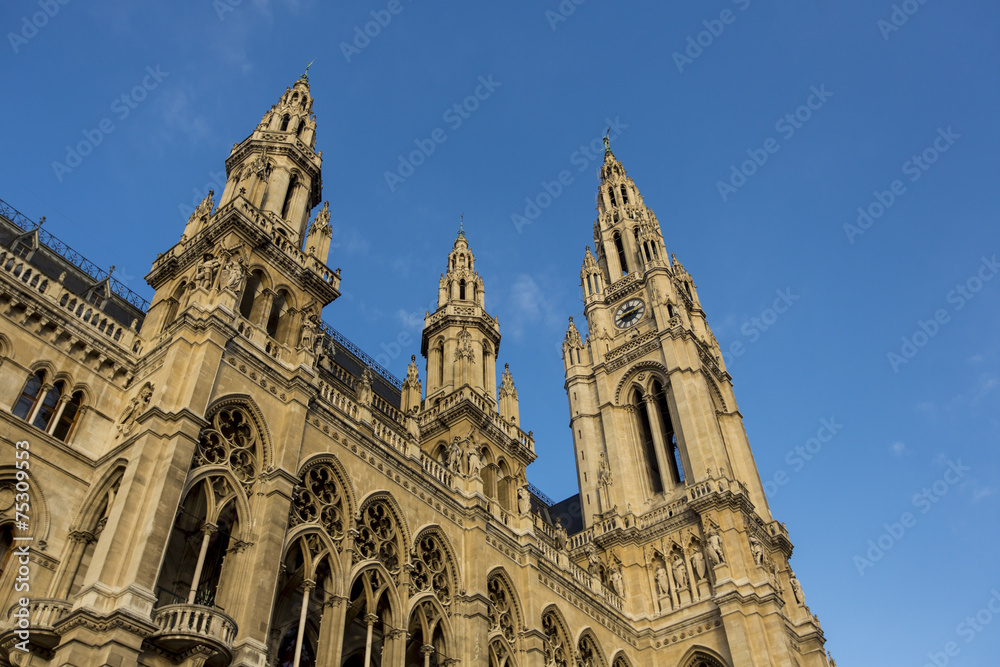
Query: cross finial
{"points": [[461, 224]]}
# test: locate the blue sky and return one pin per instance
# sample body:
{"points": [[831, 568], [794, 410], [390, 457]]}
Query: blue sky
{"points": [[881, 93]]}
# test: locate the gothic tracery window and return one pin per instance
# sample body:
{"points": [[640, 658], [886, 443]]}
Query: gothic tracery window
{"points": [[318, 498], [232, 441], [378, 536], [502, 613], [557, 650], [432, 568]]}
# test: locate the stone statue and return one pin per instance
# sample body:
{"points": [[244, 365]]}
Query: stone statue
{"points": [[680, 574], [365, 387], [618, 581], [131, 413], [412, 425], [593, 561], [796, 588], [208, 269], [232, 275], [475, 464], [715, 553], [757, 550], [523, 499], [662, 581], [698, 563], [308, 340], [454, 455], [562, 537]]}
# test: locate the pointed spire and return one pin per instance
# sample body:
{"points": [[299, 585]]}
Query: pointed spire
{"points": [[508, 408], [410, 398]]}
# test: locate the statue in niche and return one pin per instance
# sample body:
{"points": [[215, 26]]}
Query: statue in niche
{"points": [[523, 499], [412, 425], [796, 588], [207, 271], [562, 537], [618, 581], [680, 573], [604, 482], [593, 561], [135, 408], [232, 275], [698, 563], [662, 581], [453, 456], [311, 335], [715, 553], [757, 550], [475, 463]]}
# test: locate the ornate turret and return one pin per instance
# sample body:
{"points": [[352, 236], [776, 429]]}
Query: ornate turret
{"points": [[276, 169], [460, 339], [410, 398], [508, 397]]}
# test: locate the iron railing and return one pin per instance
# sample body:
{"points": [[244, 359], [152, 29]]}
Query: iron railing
{"points": [[25, 224], [362, 356]]}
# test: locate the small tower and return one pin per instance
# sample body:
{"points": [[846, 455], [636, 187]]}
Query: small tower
{"points": [[508, 398], [460, 339]]}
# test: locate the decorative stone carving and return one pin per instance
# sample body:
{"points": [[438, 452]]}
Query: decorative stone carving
{"points": [[464, 350], [562, 537], [475, 464], [430, 568], [365, 387], [231, 441], [757, 550], [680, 573], [698, 563], [377, 536], [796, 588], [454, 455], [232, 274], [207, 272], [131, 413], [523, 499], [318, 498], [501, 608], [618, 581], [715, 552], [662, 581]]}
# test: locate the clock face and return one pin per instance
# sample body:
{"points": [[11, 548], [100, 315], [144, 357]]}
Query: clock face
{"points": [[629, 313]]}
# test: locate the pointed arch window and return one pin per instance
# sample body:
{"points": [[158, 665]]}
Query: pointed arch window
{"points": [[284, 123], [624, 195], [289, 195], [674, 461], [250, 294], [461, 289], [648, 448], [29, 395], [621, 252]]}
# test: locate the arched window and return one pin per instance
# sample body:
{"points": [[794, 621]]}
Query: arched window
{"points": [[48, 407], [29, 395], [289, 194], [284, 123], [302, 126], [646, 445], [250, 294], [461, 289], [624, 195], [687, 286], [6, 548], [277, 320], [175, 303], [669, 435], [590, 287], [621, 253], [67, 418]]}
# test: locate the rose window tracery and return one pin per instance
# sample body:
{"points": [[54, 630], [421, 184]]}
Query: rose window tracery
{"points": [[318, 498], [430, 568], [378, 536], [231, 441]]}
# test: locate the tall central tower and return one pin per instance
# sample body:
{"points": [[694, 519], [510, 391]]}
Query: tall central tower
{"points": [[660, 444]]}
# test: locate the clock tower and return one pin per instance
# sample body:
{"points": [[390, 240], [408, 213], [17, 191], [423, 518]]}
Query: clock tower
{"points": [[651, 404]]}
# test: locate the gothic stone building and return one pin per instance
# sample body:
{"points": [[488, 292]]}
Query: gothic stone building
{"points": [[219, 478]]}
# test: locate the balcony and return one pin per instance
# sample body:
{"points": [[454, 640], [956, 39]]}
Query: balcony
{"points": [[187, 627], [43, 615]]}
